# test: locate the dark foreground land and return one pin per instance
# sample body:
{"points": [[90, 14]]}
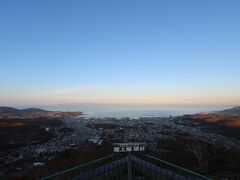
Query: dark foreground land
{"points": [[205, 143], [15, 133]]}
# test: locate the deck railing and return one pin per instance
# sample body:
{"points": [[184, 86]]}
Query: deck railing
{"points": [[116, 167], [155, 168]]}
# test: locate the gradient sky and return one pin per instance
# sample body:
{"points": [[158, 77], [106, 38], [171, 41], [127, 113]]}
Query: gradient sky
{"points": [[126, 51]]}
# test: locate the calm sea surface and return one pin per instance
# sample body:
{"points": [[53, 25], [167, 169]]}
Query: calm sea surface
{"points": [[134, 111]]}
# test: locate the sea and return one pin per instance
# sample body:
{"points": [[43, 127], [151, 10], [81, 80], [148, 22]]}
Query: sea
{"points": [[133, 111]]}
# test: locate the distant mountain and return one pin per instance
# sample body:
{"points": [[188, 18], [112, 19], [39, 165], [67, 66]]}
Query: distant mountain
{"points": [[8, 110], [33, 110], [227, 117], [31, 113], [224, 120], [235, 110]]}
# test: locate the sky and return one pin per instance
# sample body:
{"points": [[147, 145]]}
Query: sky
{"points": [[128, 51]]}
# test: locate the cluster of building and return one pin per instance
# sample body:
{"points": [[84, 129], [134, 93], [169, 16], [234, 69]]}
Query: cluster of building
{"points": [[98, 130]]}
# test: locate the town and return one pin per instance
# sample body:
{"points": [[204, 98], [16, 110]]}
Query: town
{"points": [[75, 132]]}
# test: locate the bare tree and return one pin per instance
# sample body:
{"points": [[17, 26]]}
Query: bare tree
{"points": [[197, 149]]}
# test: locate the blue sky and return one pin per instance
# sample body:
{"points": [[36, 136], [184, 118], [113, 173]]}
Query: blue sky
{"points": [[128, 51]]}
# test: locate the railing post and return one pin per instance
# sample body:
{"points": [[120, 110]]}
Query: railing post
{"points": [[129, 166]]}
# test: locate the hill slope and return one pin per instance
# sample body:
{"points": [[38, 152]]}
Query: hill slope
{"points": [[8, 110], [235, 110], [31, 113]]}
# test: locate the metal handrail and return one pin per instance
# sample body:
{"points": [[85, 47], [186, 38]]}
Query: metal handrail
{"points": [[77, 167], [101, 162], [178, 167]]}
